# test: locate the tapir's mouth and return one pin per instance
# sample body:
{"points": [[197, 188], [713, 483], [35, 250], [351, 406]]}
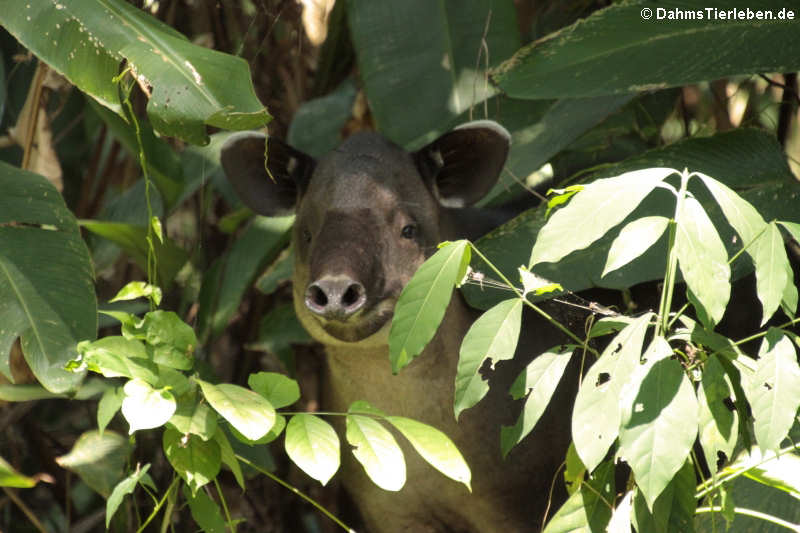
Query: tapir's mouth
{"points": [[361, 325]]}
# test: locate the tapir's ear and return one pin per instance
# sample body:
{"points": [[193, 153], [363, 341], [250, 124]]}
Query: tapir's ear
{"points": [[243, 158], [464, 164]]}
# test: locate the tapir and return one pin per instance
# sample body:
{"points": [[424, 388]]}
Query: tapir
{"points": [[368, 214]]}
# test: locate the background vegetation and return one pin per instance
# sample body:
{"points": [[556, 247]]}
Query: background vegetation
{"points": [[112, 115]]}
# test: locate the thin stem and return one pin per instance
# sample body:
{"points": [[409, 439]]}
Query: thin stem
{"points": [[533, 306], [222, 501], [24, 508], [297, 491], [755, 514], [160, 504], [672, 262]]}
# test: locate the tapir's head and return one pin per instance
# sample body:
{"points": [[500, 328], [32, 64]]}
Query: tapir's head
{"points": [[368, 215]]}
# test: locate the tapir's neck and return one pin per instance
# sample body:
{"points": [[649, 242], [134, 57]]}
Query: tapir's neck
{"points": [[423, 389]]}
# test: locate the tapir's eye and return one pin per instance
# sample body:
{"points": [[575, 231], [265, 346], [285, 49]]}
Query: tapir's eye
{"points": [[409, 231]]}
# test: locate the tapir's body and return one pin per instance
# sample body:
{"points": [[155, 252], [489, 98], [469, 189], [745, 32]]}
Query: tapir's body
{"points": [[368, 215]]}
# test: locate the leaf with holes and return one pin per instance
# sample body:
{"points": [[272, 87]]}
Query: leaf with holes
{"points": [[719, 425], [774, 390], [659, 420], [493, 336], [538, 381], [596, 415]]}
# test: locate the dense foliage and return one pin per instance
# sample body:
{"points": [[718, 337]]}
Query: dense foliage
{"points": [[126, 262]]}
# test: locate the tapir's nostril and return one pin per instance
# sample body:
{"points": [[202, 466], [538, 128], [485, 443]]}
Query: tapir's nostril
{"points": [[335, 297]]}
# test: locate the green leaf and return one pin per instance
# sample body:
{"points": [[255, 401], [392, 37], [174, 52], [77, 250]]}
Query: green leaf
{"points": [[313, 446], [673, 511], [98, 459], [145, 407], [576, 61], [197, 461], [762, 241], [195, 417], [435, 447], [634, 239], [317, 125], [228, 456], [190, 85], [606, 202], [25, 393], [116, 356], [11, 478], [246, 410], [493, 336], [377, 451], [774, 390], [172, 340], [659, 420], [596, 416], [441, 58], [46, 280], [205, 511], [133, 240], [131, 291], [538, 381], [703, 261], [122, 489], [107, 407], [779, 472], [279, 390], [586, 510], [225, 283], [423, 302], [719, 426]]}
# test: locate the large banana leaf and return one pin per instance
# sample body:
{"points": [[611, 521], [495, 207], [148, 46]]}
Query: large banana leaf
{"points": [[637, 45], [189, 86], [46, 284], [423, 62]]}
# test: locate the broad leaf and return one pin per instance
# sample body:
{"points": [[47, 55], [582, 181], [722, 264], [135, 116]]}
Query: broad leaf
{"points": [[444, 58], [423, 302], [171, 340], [11, 478], [634, 239], [247, 411], [197, 461], [673, 511], [659, 420], [122, 489], [46, 281], [762, 242], [194, 417], [116, 356], [538, 381], [98, 459], [145, 407], [190, 85], [586, 510], [279, 390], [719, 425], [596, 416], [703, 261], [774, 390], [623, 39], [313, 446], [493, 336], [606, 202], [107, 407], [435, 447], [780, 472], [205, 511], [377, 451]]}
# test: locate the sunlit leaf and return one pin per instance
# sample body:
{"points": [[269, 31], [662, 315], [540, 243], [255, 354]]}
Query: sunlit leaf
{"points": [[719, 425], [313, 446], [634, 239], [377, 451], [122, 489], [197, 461], [246, 410], [145, 407], [423, 302], [493, 336], [279, 390], [586, 510], [98, 459]]}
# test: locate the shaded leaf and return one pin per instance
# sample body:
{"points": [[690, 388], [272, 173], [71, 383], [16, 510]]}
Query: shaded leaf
{"points": [[719, 425], [98, 459], [197, 461], [205, 511], [673, 511], [122, 489], [587, 510]]}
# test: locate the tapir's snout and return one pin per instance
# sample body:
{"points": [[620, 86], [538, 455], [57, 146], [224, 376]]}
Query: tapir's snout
{"points": [[335, 297]]}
